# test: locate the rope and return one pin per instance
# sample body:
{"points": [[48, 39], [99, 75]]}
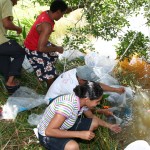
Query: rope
{"points": [[73, 29], [128, 46]]}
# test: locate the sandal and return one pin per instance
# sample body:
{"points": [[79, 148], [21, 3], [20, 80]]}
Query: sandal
{"points": [[12, 89]]}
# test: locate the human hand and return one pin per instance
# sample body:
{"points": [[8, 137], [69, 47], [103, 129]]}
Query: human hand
{"points": [[86, 135], [115, 128], [60, 49], [107, 112], [19, 30], [120, 90]]}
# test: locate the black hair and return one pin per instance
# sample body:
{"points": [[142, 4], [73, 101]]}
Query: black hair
{"points": [[58, 5], [91, 90]]}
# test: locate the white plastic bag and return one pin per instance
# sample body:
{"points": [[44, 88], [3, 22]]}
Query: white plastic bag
{"points": [[107, 79], [71, 54], [23, 99], [34, 119], [26, 65], [120, 99], [106, 63]]}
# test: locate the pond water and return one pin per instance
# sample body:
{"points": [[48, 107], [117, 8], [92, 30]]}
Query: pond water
{"points": [[139, 129]]}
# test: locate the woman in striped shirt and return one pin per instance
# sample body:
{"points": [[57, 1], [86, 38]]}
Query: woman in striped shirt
{"points": [[61, 123]]}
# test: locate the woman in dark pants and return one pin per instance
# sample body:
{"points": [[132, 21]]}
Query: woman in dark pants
{"points": [[11, 53], [61, 124]]}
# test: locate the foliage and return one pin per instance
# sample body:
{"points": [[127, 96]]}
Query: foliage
{"points": [[77, 40], [18, 134], [26, 24], [60, 65], [106, 18], [139, 45]]}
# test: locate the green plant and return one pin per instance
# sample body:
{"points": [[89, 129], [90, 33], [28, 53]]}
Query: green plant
{"points": [[134, 44], [78, 40], [68, 64], [106, 18], [26, 24]]}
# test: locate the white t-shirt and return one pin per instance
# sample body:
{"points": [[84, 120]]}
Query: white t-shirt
{"points": [[64, 84]]}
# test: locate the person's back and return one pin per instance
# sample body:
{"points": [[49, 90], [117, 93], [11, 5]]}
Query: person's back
{"points": [[64, 84], [41, 53]]}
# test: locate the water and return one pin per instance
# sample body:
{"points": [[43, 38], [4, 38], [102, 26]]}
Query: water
{"points": [[140, 125]]}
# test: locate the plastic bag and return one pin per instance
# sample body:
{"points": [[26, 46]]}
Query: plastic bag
{"points": [[23, 99], [106, 63], [106, 78], [121, 106], [34, 119], [26, 65], [9, 111], [120, 99], [71, 54]]}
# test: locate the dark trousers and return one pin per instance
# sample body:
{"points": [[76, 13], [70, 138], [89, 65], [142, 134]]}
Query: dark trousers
{"points": [[11, 59]]}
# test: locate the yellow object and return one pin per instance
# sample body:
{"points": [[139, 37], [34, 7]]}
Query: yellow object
{"points": [[139, 68]]}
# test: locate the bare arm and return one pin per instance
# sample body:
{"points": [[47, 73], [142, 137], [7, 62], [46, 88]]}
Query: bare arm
{"points": [[89, 114], [45, 31], [104, 111], [53, 130], [107, 88], [9, 25], [112, 127]]}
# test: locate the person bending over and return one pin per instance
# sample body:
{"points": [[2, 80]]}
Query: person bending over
{"points": [[61, 124], [41, 53], [68, 80]]}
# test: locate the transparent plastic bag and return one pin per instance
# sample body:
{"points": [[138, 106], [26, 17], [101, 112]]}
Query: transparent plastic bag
{"points": [[106, 63], [23, 99], [71, 54], [120, 99], [9, 111], [34, 119], [122, 106], [108, 79]]}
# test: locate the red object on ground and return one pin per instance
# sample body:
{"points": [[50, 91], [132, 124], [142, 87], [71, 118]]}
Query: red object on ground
{"points": [[106, 107]]}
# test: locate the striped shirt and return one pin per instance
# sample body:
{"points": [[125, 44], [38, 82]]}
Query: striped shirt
{"points": [[66, 105]]}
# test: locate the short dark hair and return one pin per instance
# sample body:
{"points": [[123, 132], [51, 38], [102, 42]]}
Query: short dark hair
{"points": [[91, 90], [58, 5]]}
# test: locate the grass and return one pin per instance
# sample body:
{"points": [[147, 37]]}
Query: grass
{"points": [[19, 135]]}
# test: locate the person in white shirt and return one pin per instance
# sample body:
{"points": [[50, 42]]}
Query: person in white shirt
{"points": [[68, 80]]}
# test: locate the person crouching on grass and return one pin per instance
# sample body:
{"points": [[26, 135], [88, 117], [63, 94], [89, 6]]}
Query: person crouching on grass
{"points": [[61, 124]]}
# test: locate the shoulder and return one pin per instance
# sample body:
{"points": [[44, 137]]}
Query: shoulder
{"points": [[7, 2], [67, 100], [6, 6], [65, 106]]}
